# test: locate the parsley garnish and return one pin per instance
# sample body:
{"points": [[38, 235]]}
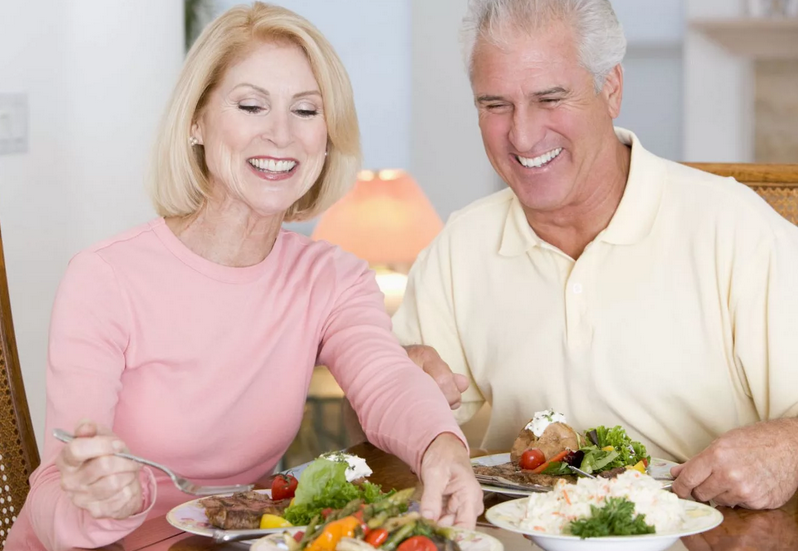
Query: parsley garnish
{"points": [[615, 518]]}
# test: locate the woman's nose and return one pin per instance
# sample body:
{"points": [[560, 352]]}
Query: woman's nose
{"points": [[278, 129]]}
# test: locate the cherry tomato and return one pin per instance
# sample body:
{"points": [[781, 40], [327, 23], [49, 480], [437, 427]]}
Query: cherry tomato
{"points": [[645, 462], [283, 487], [326, 512], [377, 537], [532, 459], [299, 535], [417, 543]]}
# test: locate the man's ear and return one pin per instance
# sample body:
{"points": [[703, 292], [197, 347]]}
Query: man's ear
{"points": [[613, 90]]}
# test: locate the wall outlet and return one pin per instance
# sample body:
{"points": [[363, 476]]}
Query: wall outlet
{"points": [[13, 123]]}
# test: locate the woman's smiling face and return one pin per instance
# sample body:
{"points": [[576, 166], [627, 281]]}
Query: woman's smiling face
{"points": [[263, 130]]}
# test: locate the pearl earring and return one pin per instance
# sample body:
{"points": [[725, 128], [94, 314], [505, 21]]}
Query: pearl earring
{"points": [[193, 141]]}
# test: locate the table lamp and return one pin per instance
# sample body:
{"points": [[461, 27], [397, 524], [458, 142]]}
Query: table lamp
{"points": [[386, 220]]}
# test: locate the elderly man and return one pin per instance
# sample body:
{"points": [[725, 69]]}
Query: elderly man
{"points": [[607, 283]]}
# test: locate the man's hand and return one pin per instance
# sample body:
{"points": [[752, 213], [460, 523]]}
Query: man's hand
{"points": [[452, 495], [451, 384], [755, 467]]}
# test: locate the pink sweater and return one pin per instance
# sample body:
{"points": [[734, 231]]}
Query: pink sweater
{"points": [[205, 368]]}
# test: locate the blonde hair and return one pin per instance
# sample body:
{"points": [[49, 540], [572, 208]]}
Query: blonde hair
{"points": [[179, 184]]}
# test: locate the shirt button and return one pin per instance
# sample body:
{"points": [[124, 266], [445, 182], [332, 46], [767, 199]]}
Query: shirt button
{"points": [[577, 288]]}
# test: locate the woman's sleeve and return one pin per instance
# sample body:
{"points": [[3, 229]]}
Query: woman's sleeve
{"points": [[89, 332], [399, 406], [426, 316]]}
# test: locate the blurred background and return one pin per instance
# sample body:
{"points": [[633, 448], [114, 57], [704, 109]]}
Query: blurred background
{"points": [[83, 84]]}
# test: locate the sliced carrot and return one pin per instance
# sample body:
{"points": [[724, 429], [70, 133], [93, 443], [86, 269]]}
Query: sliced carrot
{"points": [[559, 457]]}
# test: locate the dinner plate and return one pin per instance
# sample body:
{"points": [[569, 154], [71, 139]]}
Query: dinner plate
{"points": [[190, 517], [700, 518], [659, 469], [469, 540]]}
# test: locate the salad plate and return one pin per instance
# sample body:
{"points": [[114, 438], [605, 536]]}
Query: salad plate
{"points": [[659, 469], [698, 518], [468, 540]]}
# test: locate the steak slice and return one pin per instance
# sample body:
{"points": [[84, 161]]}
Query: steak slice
{"points": [[241, 511], [520, 476]]}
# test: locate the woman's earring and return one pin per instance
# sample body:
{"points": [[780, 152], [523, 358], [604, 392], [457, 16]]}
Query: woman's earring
{"points": [[193, 141]]}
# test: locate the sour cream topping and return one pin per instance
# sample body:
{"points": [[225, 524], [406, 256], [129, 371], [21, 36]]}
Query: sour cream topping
{"points": [[356, 466], [543, 419]]}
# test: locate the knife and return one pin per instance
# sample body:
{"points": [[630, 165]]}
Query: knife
{"points": [[223, 536]]}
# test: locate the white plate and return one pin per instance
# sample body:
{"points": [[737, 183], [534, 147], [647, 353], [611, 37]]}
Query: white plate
{"points": [[469, 540], [190, 517], [659, 469], [700, 518]]}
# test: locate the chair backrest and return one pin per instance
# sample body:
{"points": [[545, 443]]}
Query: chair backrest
{"points": [[19, 455], [777, 184]]}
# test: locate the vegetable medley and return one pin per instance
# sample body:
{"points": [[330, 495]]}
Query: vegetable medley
{"points": [[383, 524]]}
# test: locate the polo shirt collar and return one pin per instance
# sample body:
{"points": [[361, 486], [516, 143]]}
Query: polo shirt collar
{"points": [[633, 219], [637, 211]]}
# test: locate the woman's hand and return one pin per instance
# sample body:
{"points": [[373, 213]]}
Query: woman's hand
{"points": [[451, 493], [94, 479]]}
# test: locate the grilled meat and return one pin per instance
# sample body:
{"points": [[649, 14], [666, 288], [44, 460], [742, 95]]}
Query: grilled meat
{"points": [[241, 511]]}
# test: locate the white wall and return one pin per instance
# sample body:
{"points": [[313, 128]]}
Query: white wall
{"points": [[97, 75], [718, 92], [448, 158], [653, 73]]}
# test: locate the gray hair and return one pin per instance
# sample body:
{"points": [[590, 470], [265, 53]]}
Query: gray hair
{"points": [[600, 39]]}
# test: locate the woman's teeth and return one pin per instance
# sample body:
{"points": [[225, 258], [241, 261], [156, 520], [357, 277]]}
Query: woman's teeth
{"points": [[271, 165], [538, 162]]}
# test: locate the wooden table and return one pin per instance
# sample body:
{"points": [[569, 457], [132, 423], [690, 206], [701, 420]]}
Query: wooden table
{"points": [[742, 530]]}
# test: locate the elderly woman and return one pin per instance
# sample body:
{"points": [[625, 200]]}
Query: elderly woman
{"points": [[191, 339]]}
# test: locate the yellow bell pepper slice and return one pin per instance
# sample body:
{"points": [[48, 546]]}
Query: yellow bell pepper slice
{"points": [[273, 521]]}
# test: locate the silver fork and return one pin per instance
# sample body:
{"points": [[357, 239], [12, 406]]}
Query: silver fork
{"points": [[182, 484]]}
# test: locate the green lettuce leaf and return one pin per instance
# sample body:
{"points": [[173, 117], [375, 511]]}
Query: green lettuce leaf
{"points": [[627, 451], [323, 485], [597, 460]]}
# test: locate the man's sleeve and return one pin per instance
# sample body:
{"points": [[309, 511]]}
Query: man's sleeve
{"points": [[427, 316], [764, 312]]}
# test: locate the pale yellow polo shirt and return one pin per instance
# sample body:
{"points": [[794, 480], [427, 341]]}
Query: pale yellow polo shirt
{"points": [[678, 322]]}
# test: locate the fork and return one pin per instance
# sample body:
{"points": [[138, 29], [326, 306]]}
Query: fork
{"points": [[182, 484]]}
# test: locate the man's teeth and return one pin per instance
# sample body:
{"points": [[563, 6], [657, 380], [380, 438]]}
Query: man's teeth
{"points": [[538, 162], [272, 165]]}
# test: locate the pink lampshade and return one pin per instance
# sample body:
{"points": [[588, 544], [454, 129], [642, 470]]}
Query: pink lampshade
{"points": [[386, 219]]}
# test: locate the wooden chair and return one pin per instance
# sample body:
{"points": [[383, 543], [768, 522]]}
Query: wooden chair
{"points": [[777, 184], [19, 455]]}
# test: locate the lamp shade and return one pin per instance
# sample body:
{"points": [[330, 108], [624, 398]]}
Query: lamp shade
{"points": [[385, 219]]}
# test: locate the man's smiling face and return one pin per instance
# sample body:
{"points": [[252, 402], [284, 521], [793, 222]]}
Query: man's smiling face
{"points": [[543, 124]]}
